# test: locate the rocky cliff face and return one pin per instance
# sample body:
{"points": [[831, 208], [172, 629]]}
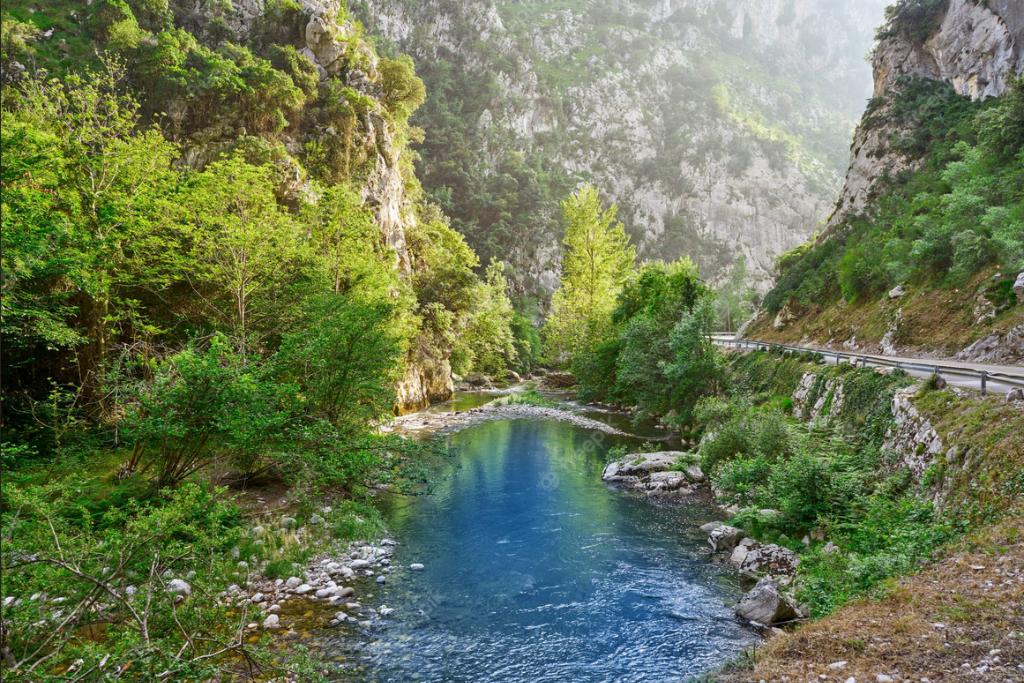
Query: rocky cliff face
{"points": [[323, 34], [718, 128], [977, 47]]}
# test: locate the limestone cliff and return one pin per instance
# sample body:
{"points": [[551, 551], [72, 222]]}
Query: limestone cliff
{"points": [[977, 47], [323, 34], [718, 127]]}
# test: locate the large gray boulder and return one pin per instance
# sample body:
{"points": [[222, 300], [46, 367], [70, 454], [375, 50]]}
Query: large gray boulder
{"points": [[665, 481], [724, 538], [653, 473], [640, 464], [768, 558], [767, 604], [179, 587], [1018, 288]]}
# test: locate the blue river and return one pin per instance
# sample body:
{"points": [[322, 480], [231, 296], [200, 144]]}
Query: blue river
{"points": [[537, 571]]}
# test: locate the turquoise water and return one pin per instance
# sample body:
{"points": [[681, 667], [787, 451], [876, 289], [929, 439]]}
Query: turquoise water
{"points": [[536, 571]]}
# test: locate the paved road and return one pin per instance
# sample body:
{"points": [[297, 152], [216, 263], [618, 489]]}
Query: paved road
{"points": [[998, 378]]}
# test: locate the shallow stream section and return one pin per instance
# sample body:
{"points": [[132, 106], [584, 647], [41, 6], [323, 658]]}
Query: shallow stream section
{"points": [[533, 570]]}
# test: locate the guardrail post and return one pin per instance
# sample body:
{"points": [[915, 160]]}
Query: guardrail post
{"points": [[984, 382]]}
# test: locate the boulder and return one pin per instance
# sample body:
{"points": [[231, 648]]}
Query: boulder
{"points": [[640, 464], [272, 621], [1018, 288], [897, 291], [767, 604], [179, 587], [768, 559], [725, 538], [665, 481], [694, 473], [477, 379], [740, 552], [654, 473], [293, 582], [1015, 394], [710, 526], [611, 472]]}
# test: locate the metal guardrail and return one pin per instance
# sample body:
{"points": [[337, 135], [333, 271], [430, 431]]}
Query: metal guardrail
{"points": [[983, 376]]}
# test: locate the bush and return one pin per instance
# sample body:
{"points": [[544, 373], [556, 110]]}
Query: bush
{"points": [[202, 400], [404, 92], [81, 567], [739, 479]]}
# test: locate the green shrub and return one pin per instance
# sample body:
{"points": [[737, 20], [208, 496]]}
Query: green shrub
{"points": [[88, 562], [740, 478], [352, 520]]}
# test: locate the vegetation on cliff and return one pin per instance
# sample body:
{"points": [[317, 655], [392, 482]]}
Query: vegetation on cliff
{"points": [[955, 224], [217, 267]]}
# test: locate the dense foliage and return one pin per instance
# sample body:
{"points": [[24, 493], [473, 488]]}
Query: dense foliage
{"points": [[632, 336], [961, 212], [200, 290], [799, 482]]}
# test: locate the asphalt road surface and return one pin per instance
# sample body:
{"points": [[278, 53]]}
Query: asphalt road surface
{"points": [[997, 378]]}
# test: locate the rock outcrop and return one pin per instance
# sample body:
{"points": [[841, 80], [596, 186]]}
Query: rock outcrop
{"points": [[912, 436], [330, 40], [1001, 349], [654, 473], [977, 47], [676, 109]]}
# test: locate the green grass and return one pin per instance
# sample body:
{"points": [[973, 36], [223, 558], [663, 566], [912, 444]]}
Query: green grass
{"points": [[530, 397], [70, 21]]}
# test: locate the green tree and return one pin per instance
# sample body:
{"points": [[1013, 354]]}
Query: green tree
{"points": [[598, 260], [245, 249], [486, 343], [84, 178], [735, 299], [346, 360], [347, 242], [695, 369], [404, 92]]}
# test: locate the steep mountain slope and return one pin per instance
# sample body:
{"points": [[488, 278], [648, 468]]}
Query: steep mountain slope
{"points": [[296, 85], [925, 248], [720, 128]]}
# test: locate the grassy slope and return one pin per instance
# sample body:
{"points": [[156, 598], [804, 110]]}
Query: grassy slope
{"points": [[955, 611], [933, 320], [973, 587]]}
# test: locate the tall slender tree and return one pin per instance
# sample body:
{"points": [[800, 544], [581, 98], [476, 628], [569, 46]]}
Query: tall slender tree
{"points": [[598, 260]]}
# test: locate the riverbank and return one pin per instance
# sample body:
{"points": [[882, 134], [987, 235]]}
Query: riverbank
{"points": [[448, 422], [895, 504]]}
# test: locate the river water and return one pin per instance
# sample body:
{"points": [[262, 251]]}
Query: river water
{"points": [[536, 571]]}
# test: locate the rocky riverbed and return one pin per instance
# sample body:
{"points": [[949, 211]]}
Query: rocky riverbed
{"points": [[327, 581], [676, 473], [441, 423]]}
